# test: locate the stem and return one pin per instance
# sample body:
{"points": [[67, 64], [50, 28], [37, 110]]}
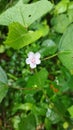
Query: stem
{"points": [[18, 88], [49, 57], [12, 76]]}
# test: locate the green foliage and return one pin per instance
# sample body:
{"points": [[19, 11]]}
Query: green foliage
{"points": [[28, 123], [66, 44], [19, 37], [3, 77], [36, 79], [61, 7], [52, 116], [3, 84], [48, 45], [23, 13], [60, 22], [70, 109], [39, 98]]}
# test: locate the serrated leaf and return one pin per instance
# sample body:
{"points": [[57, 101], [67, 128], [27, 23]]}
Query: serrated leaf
{"points": [[25, 14], [3, 84], [19, 37], [66, 48]]}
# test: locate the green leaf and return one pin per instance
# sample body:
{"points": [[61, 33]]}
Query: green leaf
{"points": [[66, 48], [28, 123], [70, 6], [25, 14], [3, 4], [26, 1], [3, 84], [52, 116], [2, 48], [48, 47], [40, 110], [61, 7], [16, 121], [25, 107], [60, 22], [3, 76], [19, 37], [3, 91], [48, 124], [70, 110], [70, 15], [60, 106], [38, 79]]}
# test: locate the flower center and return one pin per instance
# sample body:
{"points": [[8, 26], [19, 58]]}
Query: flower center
{"points": [[33, 60]]}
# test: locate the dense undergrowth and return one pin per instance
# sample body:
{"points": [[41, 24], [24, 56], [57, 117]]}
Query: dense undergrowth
{"points": [[36, 65]]}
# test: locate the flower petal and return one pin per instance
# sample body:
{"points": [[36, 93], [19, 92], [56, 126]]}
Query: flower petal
{"points": [[27, 61], [32, 66], [33, 59], [37, 55], [38, 61], [30, 54]]}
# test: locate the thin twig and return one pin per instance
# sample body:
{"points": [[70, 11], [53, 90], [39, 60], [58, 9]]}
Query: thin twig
{"points": [[35, 88], [49, 57], [56, 54]]}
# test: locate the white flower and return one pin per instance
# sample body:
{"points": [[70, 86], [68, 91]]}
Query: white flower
{"points": [[33, 59]]}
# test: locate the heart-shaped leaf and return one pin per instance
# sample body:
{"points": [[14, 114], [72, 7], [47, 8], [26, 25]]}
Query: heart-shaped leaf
{"points": [[25, 14]]}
